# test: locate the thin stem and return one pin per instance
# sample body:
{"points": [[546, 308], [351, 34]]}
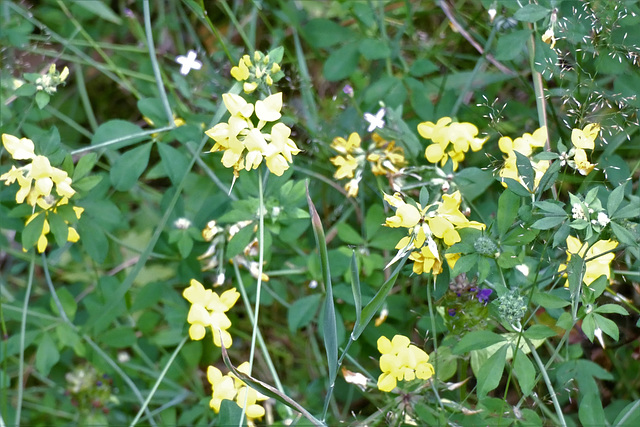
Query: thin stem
{"points": [[154, 63], [120, 139], [23, 328], [84, 97], [435, 341], [547, 381], [157, 384]]}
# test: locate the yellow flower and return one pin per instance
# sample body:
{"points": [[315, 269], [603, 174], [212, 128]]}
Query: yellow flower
{"points": [[222, 388], [347, 165], [582, 162], [230, 387], [345, 146], [208, 310], [585, 138], [549, 37], [20, 149], [425, 261], [596, 267], [401, 361], [451, 140]]}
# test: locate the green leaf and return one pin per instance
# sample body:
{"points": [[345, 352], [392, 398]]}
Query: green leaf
{"points": [[26, 89], [341, 63], [355, 289], [549, 301], [516, 187], [303, 311], [129, 167], [348, 235], [508, 205], [477, 340], [525, 170], [174, 161], [323, 33], [117, 134], [549, 177], [118, 337], [59, 228], [464, 264], [623, 234], [551, 208], [329, 327], [42, 99], [84, 166], [519, 236], [539, 332], [589, 326], [100, 9], [93, 239], [230, 414], [373, 49], [525, 372], [422, 67], [607, 326], [509, 46], [152, 109], [629, 416], [615, 198], [631, 210], [69, 304], [531, 13], [612, 308], [490, 373], [473, 182], [590, 410], [47, 355], [548, 222]]}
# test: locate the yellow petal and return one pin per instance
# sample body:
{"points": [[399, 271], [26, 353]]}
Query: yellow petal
{"points": [[268, 109]]}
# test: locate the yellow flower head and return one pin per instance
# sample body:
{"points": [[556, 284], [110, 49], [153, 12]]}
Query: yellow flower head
{"points": [[451, 140], [229, 387], [401, 361], [262, 70], [595, 267]]}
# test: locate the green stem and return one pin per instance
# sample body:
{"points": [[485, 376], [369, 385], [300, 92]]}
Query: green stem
{"points": [[84, 97], [121, 139], [435, 341], [157, 384], [154, 63], [547, 381], [23, 328]]}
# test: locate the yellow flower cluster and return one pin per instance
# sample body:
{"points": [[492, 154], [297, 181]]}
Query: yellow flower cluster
{"points": [[244, 143], [208, 309], [583, 139], [383, 156], [450, 140], [401, 361], [230, 387], [596, 267], [524, 145], [262, 69], [440, 220], [37, 180]]}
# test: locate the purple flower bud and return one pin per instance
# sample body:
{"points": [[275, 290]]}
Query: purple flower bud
{"points": [[348, 90], [452, 312]]}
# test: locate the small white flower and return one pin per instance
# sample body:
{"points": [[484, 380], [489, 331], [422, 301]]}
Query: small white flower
{"points": [[598, 334], [313, 284], [375, 121], [123, 357], [182, 223], [577, 211], [523, 268], [219, 280], [603, 219], [188, 62]]}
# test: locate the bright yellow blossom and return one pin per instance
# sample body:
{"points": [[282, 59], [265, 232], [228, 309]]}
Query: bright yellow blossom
{"points": [[451, 140], [596, 267], [401, 361]]}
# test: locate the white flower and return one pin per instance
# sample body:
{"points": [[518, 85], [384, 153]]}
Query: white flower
{"points": [[375, 121], [182, 223], [603, 219], [188, 62], [577, 211]]}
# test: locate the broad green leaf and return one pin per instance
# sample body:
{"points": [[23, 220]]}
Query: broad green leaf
{"points": [[464, 264], [322, 33], [84, 166], [302, 311], [548, 222], [69, 304], [510, 45], [47, 355], [549, 177], [590, 410], [516, 187], [373, 49], [230, 414], [490, 373], [42, 99], [117, 134], [59, 228], [174, 161], [549, 301], [520, 236], [341, 62], [473, 182], [539, 332], [612, 308], [629, 416], [118, 337], [531, 13], [623, 234], [607, 326], [525, 372], [476, 340], [551, 208], [153, 110], [93, 239], [615, 198], [32, 231], [239, 241], [129, 167], [508, 205], [348, 235], [525, 170], [26, 89]]}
